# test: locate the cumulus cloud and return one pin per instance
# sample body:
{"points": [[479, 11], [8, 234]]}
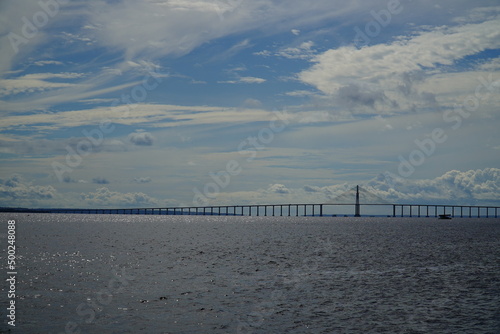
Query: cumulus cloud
{"points": [[386, 77], [278, 189], [473, 187], [141, 138], [103, 197], [469, 187], [19, 191]]}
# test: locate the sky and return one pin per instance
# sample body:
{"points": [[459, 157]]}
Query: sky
{"points": [[161, 103]]}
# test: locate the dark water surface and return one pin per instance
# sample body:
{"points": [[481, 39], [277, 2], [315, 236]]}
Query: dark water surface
{"points": [[193, 274]]}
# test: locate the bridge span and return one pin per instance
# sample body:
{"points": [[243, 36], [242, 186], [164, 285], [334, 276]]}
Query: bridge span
{"points": [[310, 210]]}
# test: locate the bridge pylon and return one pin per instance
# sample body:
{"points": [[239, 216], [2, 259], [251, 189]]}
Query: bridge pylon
{"points": [[357, 206]]}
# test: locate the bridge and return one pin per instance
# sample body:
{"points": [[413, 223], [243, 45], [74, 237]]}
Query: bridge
{"points": [[289, 210], [305, 209]]}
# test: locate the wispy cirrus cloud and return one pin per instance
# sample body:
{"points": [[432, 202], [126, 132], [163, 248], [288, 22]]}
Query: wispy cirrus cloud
{"points": [[248, 80], [37, 82], [304, 51], [152, 115], [162, 28]]}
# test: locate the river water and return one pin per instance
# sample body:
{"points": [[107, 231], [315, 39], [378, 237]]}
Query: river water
{"points": [[199, 274]]}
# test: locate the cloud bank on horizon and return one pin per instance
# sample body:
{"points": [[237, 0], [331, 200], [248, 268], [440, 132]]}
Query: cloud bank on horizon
{"points": [[174, 102]]}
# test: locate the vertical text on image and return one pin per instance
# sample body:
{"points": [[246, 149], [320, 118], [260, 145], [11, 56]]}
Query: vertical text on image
{"points": [[11, 273]]}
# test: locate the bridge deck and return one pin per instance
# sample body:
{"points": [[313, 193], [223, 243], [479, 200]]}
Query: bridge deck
{"points": [[309, 209]]}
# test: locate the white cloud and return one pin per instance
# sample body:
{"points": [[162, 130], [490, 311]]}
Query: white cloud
{"points": [[303, 51], [47, 93], [245, 80], [16, 191], [278, 189], [383, 77], [473, 187], [469, 187], [140, 114], [162, 28], [32, 83], [300, 93], [141, 138], [45, 76], [47, 62], [103, 197], [251, 80]]}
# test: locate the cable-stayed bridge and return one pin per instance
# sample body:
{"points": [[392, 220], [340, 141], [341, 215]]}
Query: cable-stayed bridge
{"points": [[358, 198]]}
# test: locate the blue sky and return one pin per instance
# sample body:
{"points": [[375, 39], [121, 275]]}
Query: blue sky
{"points": [[174, 102]]}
